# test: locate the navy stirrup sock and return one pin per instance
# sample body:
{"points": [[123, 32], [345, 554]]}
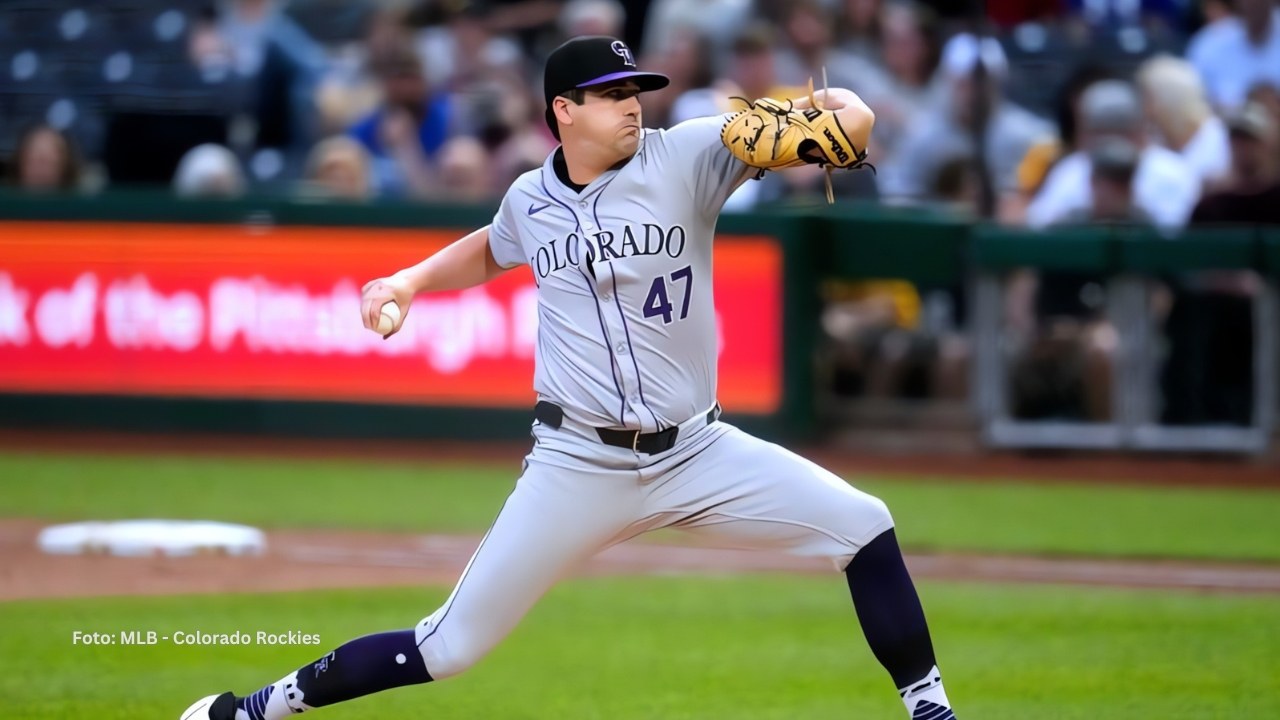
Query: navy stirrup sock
{"points": [[889, 610], [361, 667], [893, 621]]}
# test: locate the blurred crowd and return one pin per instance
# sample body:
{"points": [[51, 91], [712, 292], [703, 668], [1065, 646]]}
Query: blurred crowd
{"points": [[1040, 112]]}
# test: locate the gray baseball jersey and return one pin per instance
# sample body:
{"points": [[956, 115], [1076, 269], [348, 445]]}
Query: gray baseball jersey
{"points": [[627, 337], [626, 321]]}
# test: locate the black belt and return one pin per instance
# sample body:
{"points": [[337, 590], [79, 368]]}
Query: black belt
{"points": [[552, 416]]}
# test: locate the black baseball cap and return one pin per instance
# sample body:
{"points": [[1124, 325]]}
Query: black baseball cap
{"points": [[592, 60]]}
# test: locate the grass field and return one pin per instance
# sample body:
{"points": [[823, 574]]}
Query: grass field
{"points": [[737, 648], [1087, 519], [740, 649]]}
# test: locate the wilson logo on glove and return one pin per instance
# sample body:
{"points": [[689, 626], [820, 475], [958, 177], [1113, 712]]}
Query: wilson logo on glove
{"points": [[836, 147], [771, 135]]}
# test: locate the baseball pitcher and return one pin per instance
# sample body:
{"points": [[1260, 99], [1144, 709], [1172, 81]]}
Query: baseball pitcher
{"points": [[617, 226]]}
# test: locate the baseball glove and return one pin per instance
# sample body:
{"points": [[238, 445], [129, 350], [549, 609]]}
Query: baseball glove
{"points": [[772, 135]]}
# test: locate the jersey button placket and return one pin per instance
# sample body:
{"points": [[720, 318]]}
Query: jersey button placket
{"points": [[615, 327]]}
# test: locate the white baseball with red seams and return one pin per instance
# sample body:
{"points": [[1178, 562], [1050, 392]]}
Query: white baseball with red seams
{"points": [[627, 341]]}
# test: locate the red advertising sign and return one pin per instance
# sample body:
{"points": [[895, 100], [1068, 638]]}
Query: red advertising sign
{"points": [[273, 312]]}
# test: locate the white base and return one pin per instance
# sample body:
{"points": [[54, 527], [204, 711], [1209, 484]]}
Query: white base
{"points": [[142, 538]]}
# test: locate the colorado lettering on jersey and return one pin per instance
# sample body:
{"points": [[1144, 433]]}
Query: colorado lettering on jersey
{"points": [[606, 246]]}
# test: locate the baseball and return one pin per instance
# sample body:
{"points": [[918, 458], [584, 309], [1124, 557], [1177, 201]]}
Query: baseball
{"points": [[389, 318]]}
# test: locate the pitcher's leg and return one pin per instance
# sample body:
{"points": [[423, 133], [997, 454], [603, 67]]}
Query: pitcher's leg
{"points": [[553, 520], [743, 491], [539, 534], [893, 622], [363, 666]]}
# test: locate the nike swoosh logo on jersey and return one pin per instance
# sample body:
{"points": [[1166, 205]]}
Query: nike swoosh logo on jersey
{"points": [[534, 210]]}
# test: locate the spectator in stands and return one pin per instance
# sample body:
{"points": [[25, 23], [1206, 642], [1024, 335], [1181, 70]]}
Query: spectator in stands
{"points": [[339, 167], [1114, 164], [277, 60], [704, 94], [900, 90], [693, 91], [1164, 185], [504, 115], [44, 160], [751, 73], [720, 21], [753, 63], [408, 129], [209, 171], [956, 187], [808, 48], [523, 152], [1235, 53], [1208, 377], [931, 138], [1252, 193], [860, 30], [462, 49], [1064, 370], [466, 171], [349, 92], [1066, 106], [1175, 104], [873, 348], [892, 339], [1043, 155]]}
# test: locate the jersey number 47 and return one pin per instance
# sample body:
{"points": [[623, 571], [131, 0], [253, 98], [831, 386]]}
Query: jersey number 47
{"points": [[659, 303]]}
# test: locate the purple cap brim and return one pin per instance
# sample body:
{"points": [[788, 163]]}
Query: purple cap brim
{"points": [[646, 80]]}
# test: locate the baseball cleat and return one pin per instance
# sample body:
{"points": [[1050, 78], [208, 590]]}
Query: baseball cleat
{"points": [[932, 711], [214, 707]]}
